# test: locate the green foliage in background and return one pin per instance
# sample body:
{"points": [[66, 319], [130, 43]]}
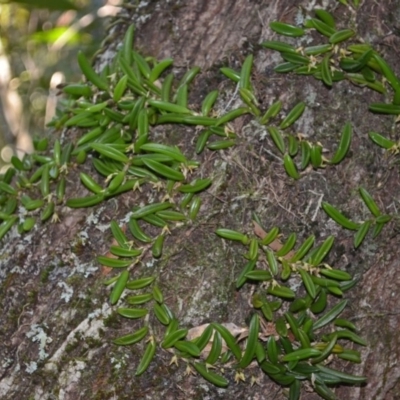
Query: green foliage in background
{"points": [[37, 40]]}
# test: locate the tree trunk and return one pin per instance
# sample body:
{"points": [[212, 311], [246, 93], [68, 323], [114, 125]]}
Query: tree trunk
{"points": [[57, 325]]}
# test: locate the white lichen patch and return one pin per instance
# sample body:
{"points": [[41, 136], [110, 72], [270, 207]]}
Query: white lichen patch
{"points": [[143, 4], [86, 269], [102, 227], [127, 217], [235, 206], [31, 367], [22, 211], [100, 312], [84, 236], [6, 362], [37, 334], [18, 270], [150, 263], [143, 19], [93, 218], [313, 4], [67, 293], [119, 362], [295, 283], [22, 243]]}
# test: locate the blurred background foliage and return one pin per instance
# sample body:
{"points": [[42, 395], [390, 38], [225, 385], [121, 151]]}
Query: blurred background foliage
{"points": [[39, 40]]}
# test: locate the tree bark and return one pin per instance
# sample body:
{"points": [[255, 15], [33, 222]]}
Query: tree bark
{"points": [[57, 326]]}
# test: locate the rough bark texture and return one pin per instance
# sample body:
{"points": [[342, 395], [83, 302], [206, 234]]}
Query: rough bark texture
{"points": [[56, 324]]}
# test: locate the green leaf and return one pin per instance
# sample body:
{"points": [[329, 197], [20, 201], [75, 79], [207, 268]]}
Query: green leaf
{"points": [[322, 251], [288, 245], [301, 354], [295, 58], [344, 145], [229, 339], [278, 46], [308, 283], [320, 388], [272, 262], [369, 202], [132, 312], [259, 275], [119, 287], [384, 108], [303, 249], [150, 209], [272, 350], [170, 151], [242, 277], [210, 376], [377, 229], [285, 67], [293, 115], [132, 338], [326, 70], [215, 349], [335, 274], [387, 71], [290, 167], [172, 338], [343, 376], [286, 29], [361, 233], [113, 262], [344, 323], [270, 237], [277, 138], [330, 315], [202, 341], [281, 291], [251, 342], [338, 217], [147, 357], [325, 17], [341, 36], [381, 140], [232, 235], [109, 152], [350, 355], [164, 170], [245, 73], [293, 324], [161, 314], [294, 391], [320, 26], [320, 303], [187, 347]]}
